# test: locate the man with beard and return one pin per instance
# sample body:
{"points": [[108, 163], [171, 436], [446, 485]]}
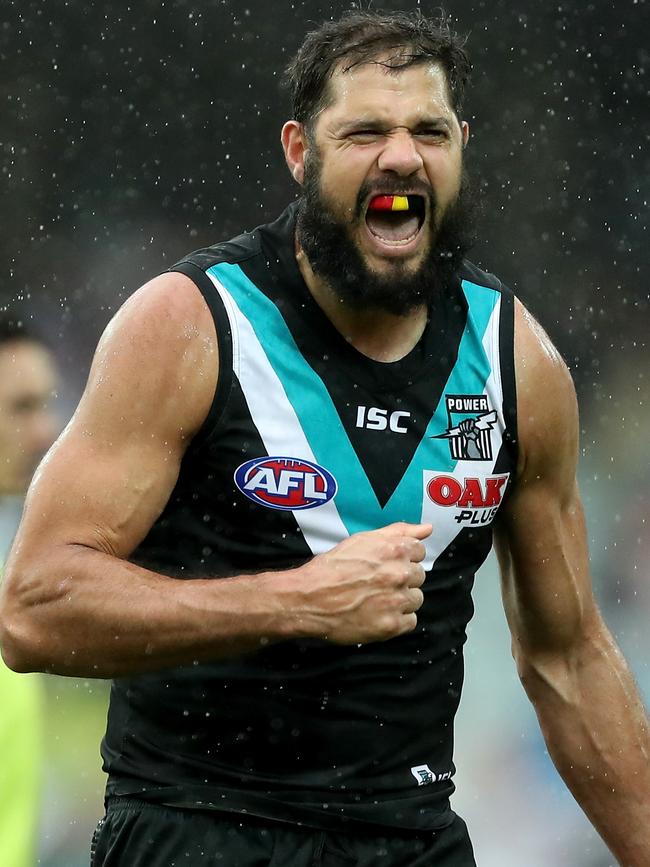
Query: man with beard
{"points": [[380, 405]]}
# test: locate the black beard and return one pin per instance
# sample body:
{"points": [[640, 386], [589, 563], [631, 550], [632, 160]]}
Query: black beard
{"points": [[335, 258]]}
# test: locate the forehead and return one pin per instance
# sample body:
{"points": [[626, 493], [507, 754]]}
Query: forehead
{"points": [[374, 88]]}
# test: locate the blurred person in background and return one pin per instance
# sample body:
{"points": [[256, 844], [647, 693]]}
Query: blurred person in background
{"points": [[28, 379], [342, 399]]}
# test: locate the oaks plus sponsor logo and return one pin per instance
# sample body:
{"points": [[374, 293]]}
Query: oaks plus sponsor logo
{"points": [[285, 483], [470, 421], [476, 500]]}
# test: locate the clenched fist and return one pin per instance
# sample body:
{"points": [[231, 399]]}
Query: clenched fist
{"points": [[367, 588]]}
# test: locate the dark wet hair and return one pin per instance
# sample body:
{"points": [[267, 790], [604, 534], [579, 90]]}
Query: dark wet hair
{"points": [[408, 38], [12, 328]]}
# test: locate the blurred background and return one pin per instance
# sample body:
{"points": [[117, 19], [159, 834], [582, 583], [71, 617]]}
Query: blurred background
{"points": [[133, 133]]}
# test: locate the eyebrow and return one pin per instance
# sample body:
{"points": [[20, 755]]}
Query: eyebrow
{"points": [[433, 121], [379, 125]]}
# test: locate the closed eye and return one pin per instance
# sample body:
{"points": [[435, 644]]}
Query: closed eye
{"points": [[432, 133], [365, 136]]}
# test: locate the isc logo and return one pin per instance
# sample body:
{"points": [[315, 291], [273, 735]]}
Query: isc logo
{"points": [[285, 483], [374, 418]]}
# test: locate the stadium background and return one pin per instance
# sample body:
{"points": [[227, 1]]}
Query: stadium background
{"points": [[130, 134]]}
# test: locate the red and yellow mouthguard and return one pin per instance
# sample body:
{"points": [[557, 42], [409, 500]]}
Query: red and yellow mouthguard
{"points": [[389, 203]]}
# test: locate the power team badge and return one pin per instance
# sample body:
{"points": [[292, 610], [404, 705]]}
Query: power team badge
{"points": [[469, 424]]}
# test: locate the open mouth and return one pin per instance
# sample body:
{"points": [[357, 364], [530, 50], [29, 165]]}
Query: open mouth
{"points": [[395, 220]]}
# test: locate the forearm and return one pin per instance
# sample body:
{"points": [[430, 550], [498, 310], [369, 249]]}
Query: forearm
{"points": [[596, 730], [72, 609], [81, 612]]}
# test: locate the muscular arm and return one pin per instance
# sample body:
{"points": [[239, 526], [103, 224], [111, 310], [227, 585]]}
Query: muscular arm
{"points": [[589, 710], [72, 604]]}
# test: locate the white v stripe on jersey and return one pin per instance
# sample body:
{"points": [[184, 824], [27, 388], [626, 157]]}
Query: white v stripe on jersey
{"points": [[267, 401]]}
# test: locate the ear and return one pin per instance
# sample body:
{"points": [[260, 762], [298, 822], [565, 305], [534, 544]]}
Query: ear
{"points": [[294, 144], [464, 128]]}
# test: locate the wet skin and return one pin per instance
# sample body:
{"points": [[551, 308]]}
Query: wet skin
{"points": [[380, 128]]}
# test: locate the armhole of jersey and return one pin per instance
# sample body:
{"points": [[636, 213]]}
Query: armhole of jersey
{"points": [[508, 378], [224, 345]]}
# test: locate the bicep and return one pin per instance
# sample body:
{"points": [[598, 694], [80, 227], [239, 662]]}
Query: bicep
{"points": [[110, 474], [542, 550], [99, 492], [540, 536]]}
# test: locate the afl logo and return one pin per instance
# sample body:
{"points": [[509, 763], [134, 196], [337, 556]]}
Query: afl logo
{"points": [[285, 483]]}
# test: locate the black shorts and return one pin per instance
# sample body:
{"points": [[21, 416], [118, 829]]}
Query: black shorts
{"points": [[137, 834]]}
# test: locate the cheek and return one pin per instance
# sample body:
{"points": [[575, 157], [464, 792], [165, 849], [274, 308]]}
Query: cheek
{"points": [[340, 195], [344, 173], [446, 169]]}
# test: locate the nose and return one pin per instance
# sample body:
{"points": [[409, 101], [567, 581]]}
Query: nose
{"points": [[400, 153]]}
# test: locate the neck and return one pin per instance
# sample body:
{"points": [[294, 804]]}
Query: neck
{"points": [[377, 334]]}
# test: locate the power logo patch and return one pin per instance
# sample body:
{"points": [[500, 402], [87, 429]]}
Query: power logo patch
{"points": [[469, 425]]}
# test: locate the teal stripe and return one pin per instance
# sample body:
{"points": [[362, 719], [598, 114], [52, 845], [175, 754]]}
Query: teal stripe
{"points": [[356, 501], [468, 376]]}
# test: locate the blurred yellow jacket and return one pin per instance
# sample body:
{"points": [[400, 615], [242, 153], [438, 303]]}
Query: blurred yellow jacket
{"points": [[21, 761], [21, 748]]}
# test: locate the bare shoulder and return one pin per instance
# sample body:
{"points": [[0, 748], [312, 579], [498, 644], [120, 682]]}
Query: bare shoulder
{"points": [[150, 388], [167, 296], [547, 410], [160, 349]]}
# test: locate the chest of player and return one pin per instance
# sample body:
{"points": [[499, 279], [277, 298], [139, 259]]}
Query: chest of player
{"points": [[337, 474], [341, 451]]}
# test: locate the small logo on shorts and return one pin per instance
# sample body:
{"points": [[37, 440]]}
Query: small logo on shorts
{"points": [[424, 775], [469, 424]]}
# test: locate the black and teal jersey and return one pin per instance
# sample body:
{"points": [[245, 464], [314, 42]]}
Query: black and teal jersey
{"points": [[307, 442]]}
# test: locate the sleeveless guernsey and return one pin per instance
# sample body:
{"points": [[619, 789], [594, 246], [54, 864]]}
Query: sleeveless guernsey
{"points": [[307, 442]]}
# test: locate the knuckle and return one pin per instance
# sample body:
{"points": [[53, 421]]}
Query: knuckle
{"points": [[400, 577], [410, 622], [413, 600], [420, 551], [391, 624], [420, 575], [391, 549]]}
